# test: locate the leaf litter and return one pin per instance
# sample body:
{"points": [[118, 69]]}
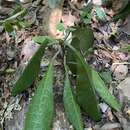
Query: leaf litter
{"points": [[105, 58]]}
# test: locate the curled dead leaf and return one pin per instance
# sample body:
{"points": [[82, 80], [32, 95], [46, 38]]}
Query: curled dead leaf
{"points": [[28, 50], [54, 19], [69, 20], [119, 71]]}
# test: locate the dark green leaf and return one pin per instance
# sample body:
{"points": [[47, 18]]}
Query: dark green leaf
{"points": [[40, 113], [86, 38], [70, 57], [72, 109], [30, 72], [8, 27], [106, 76], [85, 91], [103, 91], [83, 39]]}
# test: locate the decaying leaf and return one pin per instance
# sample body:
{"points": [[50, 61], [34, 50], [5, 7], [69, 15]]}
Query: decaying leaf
{"points": [[69, 20], [54, 19], [125, 87], [122, 14], [28, 49], [119, 5]]}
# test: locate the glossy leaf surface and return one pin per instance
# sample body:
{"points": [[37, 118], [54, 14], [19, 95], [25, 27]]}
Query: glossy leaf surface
{"points": [[40, 113], [72, 109], [30, 72]]}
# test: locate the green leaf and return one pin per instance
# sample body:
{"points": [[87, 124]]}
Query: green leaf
{"points": [[86, 38], [41, 109], [101, 14], [103, 91], [30, 72], [23, 24], [41, 39], [86, 15], [8, 27], [16, 9], [83, 39], [70, 57], [84, 90], [106, 76], [72, 109], [60, 26]]}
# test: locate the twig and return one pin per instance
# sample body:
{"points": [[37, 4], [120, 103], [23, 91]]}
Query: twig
{"points": [[13, 17]]}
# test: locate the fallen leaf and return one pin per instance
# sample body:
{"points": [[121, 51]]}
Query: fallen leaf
{"points": [[119, 71], [125, 87], [97, 2], [29, 49], [126, 27], [69, 20], [128, 112], [110, 126], [119, 5], [54, 19]]}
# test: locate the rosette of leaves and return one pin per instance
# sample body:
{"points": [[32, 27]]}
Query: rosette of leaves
{"points": [[89, 84]]}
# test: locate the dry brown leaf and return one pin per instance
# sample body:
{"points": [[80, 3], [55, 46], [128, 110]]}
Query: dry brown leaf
{"points": [[29, 48], [125, 87], [128, 112], [97, 2], [110, 115], [119, 71], [69, 20], [54, 19]]}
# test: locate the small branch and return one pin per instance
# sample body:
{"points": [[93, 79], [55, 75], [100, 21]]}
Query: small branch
{"points": [[13, 17]]}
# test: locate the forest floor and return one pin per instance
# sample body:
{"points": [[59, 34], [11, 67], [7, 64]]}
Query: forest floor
{"points": [[111, 58]]}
